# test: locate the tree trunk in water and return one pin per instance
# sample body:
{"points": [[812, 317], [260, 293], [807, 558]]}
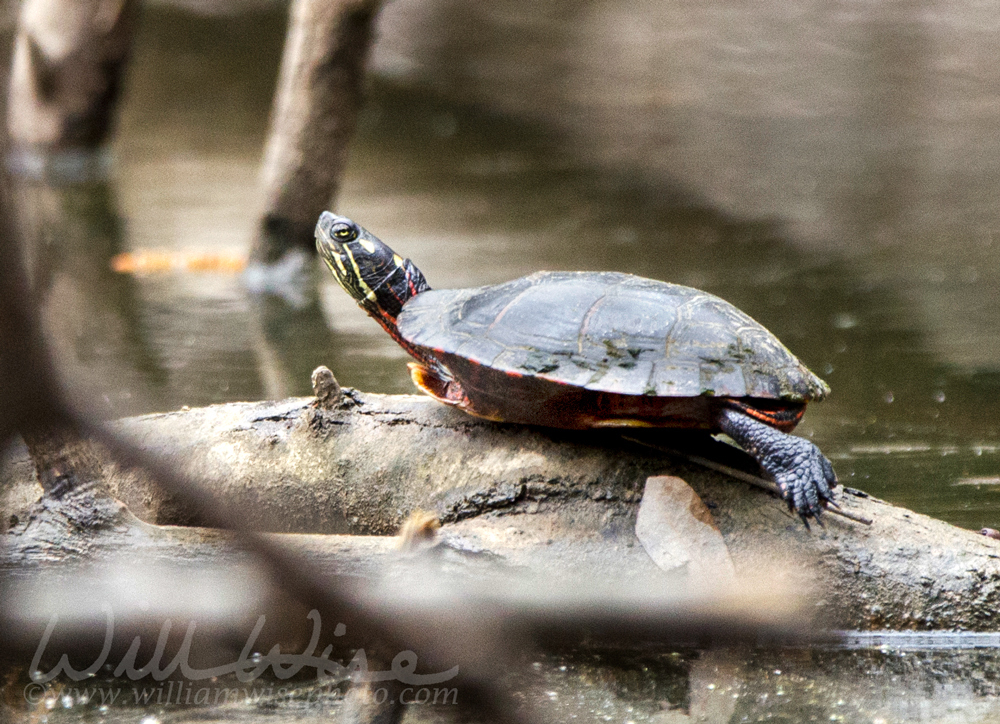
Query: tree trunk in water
{"points": [[313, 118], [68, 64]]}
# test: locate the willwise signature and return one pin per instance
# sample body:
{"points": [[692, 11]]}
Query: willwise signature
{"points": [[246, 668]]}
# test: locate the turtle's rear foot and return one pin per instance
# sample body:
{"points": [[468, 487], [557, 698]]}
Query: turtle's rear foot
{"points": [[803, 474]]}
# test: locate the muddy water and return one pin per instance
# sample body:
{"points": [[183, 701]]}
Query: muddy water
{"points": [[880, 274]]}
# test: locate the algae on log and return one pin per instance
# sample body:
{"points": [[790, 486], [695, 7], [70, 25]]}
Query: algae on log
{"points": [[532, 495]]}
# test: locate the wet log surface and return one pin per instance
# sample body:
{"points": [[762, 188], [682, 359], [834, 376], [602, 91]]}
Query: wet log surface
{"points": [[547, 500]]}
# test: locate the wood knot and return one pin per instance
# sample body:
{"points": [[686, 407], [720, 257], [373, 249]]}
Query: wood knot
{"points": [[326, 388]]}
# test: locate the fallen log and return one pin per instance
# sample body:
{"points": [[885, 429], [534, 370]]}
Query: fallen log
{"points": [[562, 500], [457, 605]]}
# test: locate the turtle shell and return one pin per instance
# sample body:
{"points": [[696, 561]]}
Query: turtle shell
{"points": [[610, 332]]}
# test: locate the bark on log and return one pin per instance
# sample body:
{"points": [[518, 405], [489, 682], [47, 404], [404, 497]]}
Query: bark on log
{"points": [[551, 498], [314, 115]]}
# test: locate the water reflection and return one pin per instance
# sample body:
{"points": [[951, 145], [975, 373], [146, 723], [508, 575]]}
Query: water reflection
{"points": [[91, 315], [889, 685], [291, 341], [864, 128]]}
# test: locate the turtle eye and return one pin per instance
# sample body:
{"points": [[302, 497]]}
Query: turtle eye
{"points": [[343, 232]]}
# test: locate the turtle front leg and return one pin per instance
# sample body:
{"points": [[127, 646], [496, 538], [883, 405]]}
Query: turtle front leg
{"points": [[803, 474]]}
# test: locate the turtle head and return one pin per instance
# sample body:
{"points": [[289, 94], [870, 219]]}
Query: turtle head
{"points": [[379, 279]]}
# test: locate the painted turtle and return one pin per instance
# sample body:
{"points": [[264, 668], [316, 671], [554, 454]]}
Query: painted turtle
{"points": [[592, 349]]}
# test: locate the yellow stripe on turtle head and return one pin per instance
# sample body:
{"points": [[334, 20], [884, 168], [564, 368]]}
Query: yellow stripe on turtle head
{"points": [[367, 245], [357, 275], [340, 266]]}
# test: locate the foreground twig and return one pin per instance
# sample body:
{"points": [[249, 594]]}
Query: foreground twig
{"points": [[300, 578]]}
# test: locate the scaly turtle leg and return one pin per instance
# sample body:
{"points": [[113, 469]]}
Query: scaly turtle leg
{"points": [[803, 474]]}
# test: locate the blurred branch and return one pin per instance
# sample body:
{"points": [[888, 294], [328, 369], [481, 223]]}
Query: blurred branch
{"points": [[446, 614], [336, 599], [28, 394], [479, 622]]}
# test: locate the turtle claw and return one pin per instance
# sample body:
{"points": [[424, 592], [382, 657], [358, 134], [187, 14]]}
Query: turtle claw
{"points": [[817, 516], [804, 476]]}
